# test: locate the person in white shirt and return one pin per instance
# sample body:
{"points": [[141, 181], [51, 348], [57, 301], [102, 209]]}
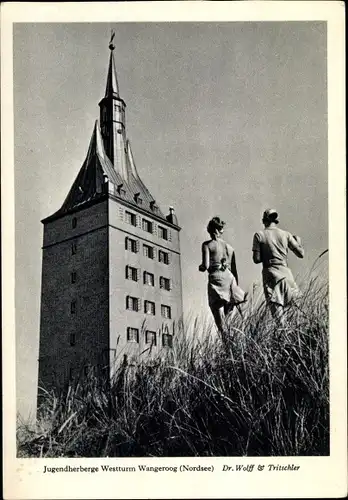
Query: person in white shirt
{"points": [[270, 248]]}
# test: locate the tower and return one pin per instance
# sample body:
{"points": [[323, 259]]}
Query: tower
{"points": [[111, 273]]}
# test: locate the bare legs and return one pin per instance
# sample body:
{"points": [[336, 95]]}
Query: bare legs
{"points": [[219, 316], [277, 312], [220, 311]]}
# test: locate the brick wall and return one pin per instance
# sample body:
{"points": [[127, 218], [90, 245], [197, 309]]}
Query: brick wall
{"points": [[84, 267], [74, 269], [120, 287]]}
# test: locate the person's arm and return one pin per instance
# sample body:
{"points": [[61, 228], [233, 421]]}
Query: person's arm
{"points": [[234, 267], [294, 243], [205, 258], [256, 249]]}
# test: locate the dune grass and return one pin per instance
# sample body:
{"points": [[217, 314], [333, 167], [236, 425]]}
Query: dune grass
{"points": [[264, 391]]}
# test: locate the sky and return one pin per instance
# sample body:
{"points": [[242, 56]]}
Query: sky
{"points": [[224, 119]]}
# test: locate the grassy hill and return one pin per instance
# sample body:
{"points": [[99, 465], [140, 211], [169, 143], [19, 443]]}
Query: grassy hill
{"points": [[264, 391]]}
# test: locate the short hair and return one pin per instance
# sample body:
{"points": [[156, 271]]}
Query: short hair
{"points": [[270, 215], [215, 224]]}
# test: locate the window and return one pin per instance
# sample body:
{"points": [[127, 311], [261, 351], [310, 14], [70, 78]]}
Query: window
{"points": [[149, 279], [132, 335], [86, 370], [130, 218], [73, 248], [149, 307], [73, 307], [132, 303], [131, 273], [163, 257], [147, 226], [137, 199], [74, 222], [131, 245], [150, 337], [73, 277], [71, 373], [163, 232], [166, 311], [165, 283], [153, 206], [167, 340], [72, 339], [148, 251], [122, 192]]}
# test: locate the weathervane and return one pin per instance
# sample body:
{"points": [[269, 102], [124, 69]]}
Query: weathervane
{"points": [[111, 45]]}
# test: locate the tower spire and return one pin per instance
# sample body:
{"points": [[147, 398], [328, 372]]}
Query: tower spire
{"points": [[111, 81], [113, 119]]}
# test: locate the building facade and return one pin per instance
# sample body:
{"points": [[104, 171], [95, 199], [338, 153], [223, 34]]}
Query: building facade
{"points": [[111, 275]]}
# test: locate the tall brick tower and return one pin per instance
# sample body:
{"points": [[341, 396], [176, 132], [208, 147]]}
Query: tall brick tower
{"points": [[111, 274]]}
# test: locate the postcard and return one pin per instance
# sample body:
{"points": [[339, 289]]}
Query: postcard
{"points": [[174, 294]]}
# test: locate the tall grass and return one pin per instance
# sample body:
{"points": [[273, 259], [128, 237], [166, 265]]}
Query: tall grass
{"points": [[262, 391]]}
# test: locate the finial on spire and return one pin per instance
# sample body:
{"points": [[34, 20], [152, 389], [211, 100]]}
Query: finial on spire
{"points": [[111, 45], [111, 82]]}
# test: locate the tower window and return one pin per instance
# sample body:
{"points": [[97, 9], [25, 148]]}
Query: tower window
{"points": [[132, 303], [149, 279], [147, 226], [153, 206], [131, 273], [132, 335], [120, 190], [149, 307], [163, 232], [137, 199], [166, 312], [74, 222], [165, 283], [163, 257], [72, 339], [148, 251], [130, 218], [73, 248], [131, 245], [73, 307], [150, 337], [73, 277], [167, 340]]}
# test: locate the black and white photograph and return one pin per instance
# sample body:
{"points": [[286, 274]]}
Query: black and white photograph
{"points": [[174, 299]]}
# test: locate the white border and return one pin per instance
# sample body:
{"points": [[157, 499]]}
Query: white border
{"points": [[318, 477]]}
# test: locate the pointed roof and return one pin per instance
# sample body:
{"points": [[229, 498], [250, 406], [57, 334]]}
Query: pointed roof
{"points": [[137, 188], [94, 172], [112, 88], [98, 176]]}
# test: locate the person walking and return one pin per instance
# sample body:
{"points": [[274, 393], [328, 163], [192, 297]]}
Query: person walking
{"points": [[218, 258], [270, 248]]}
